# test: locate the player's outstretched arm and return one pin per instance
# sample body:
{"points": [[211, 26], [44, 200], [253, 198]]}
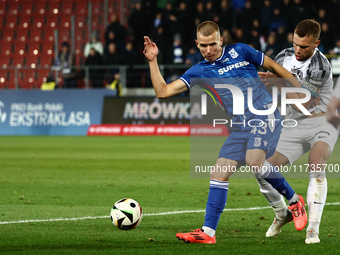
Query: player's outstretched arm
{"points": [[162, 89]]}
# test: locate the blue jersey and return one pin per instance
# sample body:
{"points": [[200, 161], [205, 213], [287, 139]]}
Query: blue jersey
{"points": [[237, 64]]}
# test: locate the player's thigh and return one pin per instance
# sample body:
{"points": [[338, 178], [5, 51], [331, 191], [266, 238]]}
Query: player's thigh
{"points": [[291, 146], [278, 159], [224, 168]]}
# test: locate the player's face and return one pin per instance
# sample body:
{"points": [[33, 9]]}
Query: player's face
{"points": [[304, 46], [210, 46]]}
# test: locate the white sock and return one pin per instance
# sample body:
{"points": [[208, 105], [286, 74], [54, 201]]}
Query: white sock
{"points": [[316, 198], [209, 231], [274, 198]]}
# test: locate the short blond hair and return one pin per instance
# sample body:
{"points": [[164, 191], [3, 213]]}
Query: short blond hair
{"points": [[207, 28]]}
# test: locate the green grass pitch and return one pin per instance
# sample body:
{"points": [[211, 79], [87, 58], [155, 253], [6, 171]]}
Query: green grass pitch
{"points": [[48, 178]]}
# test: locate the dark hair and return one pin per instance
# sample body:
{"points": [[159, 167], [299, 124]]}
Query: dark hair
{"points": [[308, 27]]}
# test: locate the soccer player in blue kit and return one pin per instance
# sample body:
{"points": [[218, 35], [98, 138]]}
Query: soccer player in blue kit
{"points": [[244, 145]]}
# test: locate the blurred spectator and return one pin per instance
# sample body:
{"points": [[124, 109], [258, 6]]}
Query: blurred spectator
{"points": [[171, 24], [177, 53], [138, 26], [240, 37], [113, 57], [118, 30], [184, 20], [254, 39], [49, 84], [199, 15], [227, 39], [327, 38], [298, 12], [289, 41], [273, 48], [130, 57], [277, 20], [159, 39], [158, 20], [116, 85], [266, 13], [94, 43], [96, 75], [238, 5], [64, 63], [226, 14], [247, 15], [193, 57], [209, 10], [336, 49]]}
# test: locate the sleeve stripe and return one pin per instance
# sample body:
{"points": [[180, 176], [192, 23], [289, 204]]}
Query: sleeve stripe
{"points": [[186, 83], [262, 60]]}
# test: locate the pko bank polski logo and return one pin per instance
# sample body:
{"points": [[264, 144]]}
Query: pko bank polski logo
{"points": [[3, 114], [238, 102]]}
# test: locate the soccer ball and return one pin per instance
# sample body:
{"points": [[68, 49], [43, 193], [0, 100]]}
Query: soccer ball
{"points": [[126, 214]]}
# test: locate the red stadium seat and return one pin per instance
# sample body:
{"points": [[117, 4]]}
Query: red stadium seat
{"points": [[54, 7], [25, 21], [8, 35], [40, 7], [28, 79], [2, 7], [42, 76], [51, 22], [6, 49], [49, 35], [5, 61], [3, 78], [11, 21], [67, 7], [32, 61], [21, 34], [35, 35], [48, 49], [27, 7], [34, 48], [11, 79], [80, 22], [13, 7], [81, 7], [46, 60], [65, 22], [38, 21], [20, 48], [18, 60], [97, 7], [64, 35]]}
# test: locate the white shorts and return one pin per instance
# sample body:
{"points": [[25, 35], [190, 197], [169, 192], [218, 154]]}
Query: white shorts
{"points": [[296, 141]]}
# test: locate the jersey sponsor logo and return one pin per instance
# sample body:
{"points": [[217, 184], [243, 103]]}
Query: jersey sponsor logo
{"points": [[257, 141], [265, 143], [233, 53], [230, 67], [225, 60]]}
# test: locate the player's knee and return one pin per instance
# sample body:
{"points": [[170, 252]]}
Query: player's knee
{"points": [[255, 163]]}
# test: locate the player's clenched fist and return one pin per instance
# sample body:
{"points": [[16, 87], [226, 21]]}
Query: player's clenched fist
{"points": [[150, 49]]}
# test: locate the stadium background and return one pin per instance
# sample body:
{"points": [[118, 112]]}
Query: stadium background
{"points": [[33, 32]]}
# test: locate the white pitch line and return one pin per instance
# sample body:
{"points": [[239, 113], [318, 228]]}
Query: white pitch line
{"points": [[144, 215]]}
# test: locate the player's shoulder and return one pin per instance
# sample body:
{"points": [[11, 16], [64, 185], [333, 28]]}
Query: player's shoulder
{"points": [[320, 60]]}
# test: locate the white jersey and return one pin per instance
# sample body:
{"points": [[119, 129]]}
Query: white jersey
{"points": [[314, 74]]}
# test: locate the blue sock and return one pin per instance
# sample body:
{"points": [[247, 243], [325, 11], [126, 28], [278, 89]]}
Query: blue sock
{"points": [[217, 200], [276, 179]]}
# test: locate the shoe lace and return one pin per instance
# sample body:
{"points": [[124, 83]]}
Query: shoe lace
{"points": [[295, 210]]}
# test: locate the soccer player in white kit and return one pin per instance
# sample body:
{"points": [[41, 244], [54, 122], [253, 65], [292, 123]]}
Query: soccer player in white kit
{"points": [[312, 133]]}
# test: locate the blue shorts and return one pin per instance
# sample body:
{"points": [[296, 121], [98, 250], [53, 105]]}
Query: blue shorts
{"points": [[265, 138]]}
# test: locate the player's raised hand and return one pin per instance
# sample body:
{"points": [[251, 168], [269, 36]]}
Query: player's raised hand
{"points": [[150, 49], [269, 80]]}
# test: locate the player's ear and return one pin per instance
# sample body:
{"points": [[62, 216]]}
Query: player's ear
{"points": [[221, 41], [196, 43]]}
